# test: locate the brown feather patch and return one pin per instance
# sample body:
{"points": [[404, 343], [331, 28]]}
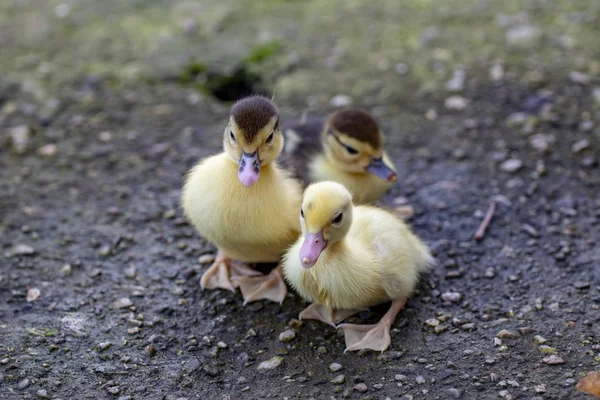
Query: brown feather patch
{"points": [[357, 124], [251, 114]]}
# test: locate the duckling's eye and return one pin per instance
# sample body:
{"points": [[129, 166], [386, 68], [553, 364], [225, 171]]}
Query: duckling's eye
{"points": [[270, 138], [231, 135], [302, 213], [338, 219], [351, 150]]}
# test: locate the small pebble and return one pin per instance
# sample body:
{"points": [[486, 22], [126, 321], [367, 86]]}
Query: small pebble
{"points": [[581, 285], [335, 367], [221, 345], [66, 269], [104, 346], [113, 390], [339, 380], [23, 384], [123, 303], [544, 349], [505, 334], [490, 273], [540, 388], [105, 136], [553, 360], [420, 380], [133, 331], [287, 336], [432, 322], [360, 387], [454, 393], [340, 100], [452, 297], [33, 294], [456, 103], [295, 323], [42, 394], [270, 364], [580, 145], [48, 150], [400, 377], [511, 165], [23, 250], [206, 259], [130, 272]]}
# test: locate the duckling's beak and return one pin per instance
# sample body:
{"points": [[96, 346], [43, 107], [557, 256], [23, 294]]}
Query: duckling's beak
{"points": [[380, 169], [249, 168], [311, 249]]}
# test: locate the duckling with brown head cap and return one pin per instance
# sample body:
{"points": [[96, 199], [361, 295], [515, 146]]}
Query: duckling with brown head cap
{"points": [[244, 203], [347, 148]]}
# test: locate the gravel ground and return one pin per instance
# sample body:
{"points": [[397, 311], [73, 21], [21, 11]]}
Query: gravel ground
{"points": [[99, 292]]}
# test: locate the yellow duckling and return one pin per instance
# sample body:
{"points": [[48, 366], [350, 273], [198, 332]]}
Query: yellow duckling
{"points": [[352, 257], [347, 148], [244, 203]]}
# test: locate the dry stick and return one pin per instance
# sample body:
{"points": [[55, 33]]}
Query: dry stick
{"points": [[486, 221]]}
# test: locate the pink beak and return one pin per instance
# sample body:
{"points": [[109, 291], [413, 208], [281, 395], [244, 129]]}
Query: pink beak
{"points": [[249, 168], [311, 249]]}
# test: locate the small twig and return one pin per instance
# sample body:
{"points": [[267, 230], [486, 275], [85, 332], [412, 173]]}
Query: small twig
{"points": [[486, 221]]}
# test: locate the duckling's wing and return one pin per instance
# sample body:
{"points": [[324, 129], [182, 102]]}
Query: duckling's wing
{"points": [[302, 142]]}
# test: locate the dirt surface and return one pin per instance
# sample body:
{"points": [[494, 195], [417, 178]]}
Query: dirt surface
{"points": [[99, 292]]}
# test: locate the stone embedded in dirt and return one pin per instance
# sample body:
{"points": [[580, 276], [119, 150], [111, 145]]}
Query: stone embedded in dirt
{"points": [[335, 367], [42, 394], [48, 150], [489, 273], [33, 294], [221, 345], [553, 360], [133, 331], [506, 334], [251, 333], [579, 77], [360, 387], [496, 72], [541, 142], [454, 393], [596, 95], [537, 339], [547, 349], [23, 250], [20, 136], [581, 285], [270, 364], [105, 136], [404, 212], [104, 251], [23, 384], [295, 323], [456, 103], [580, 145], [113, 390], [66, 270], [511, 165], [540, 388], [420, 380], [123, 303], [451, 297], [104, 346], [150, 350], [287, 336], [339, 380], [432, 322], [130, 272], [206, 259]]}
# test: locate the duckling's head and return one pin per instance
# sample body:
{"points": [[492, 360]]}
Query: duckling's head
{"points": [[326, 216], [252, 138], [353, 142]]}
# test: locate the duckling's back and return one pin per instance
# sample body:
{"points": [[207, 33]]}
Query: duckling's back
{"points": [[254, 224], [402, 255]]}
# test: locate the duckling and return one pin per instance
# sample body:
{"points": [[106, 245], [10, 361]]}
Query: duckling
{"points": [[242, 202], [352, 257], [347, 147]]}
